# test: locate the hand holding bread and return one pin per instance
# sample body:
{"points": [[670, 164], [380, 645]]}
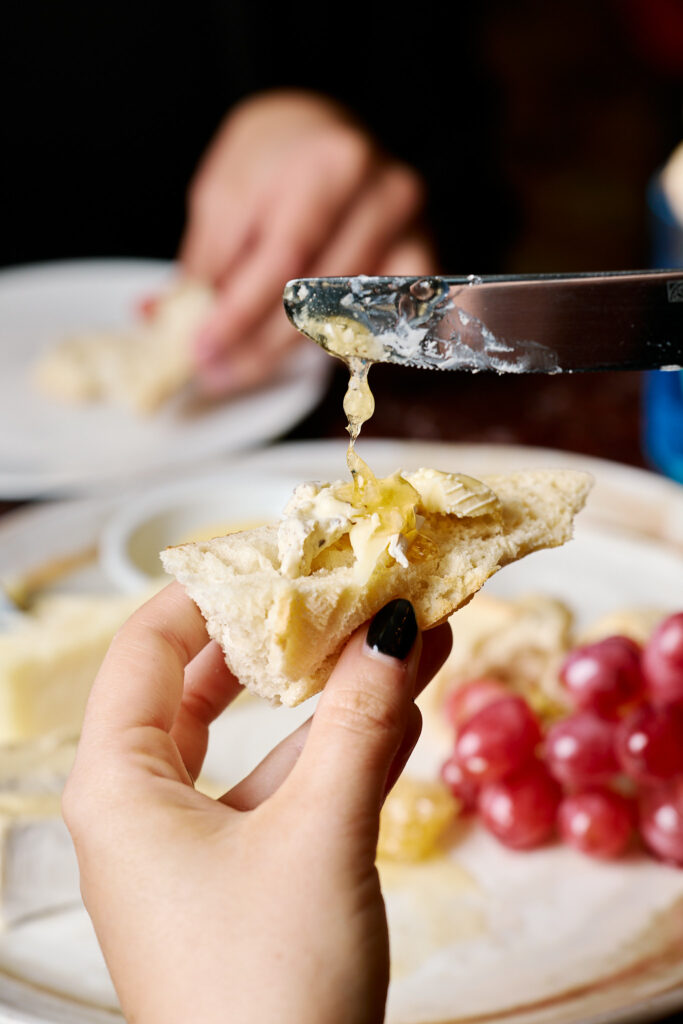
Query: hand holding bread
{"points": [[265, 904]]}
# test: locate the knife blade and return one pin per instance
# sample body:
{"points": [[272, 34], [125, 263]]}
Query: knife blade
{"points": [[547, 323]]}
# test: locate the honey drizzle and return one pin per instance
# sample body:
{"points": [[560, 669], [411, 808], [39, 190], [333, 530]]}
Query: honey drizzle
{"points": [[359, 405], [366, 491]]}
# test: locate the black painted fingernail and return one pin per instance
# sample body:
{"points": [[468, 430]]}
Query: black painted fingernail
{"points": [[393, 629]]}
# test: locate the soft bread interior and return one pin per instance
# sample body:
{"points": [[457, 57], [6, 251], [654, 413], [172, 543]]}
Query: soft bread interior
{"points": [[281, 636], [138, 368]]}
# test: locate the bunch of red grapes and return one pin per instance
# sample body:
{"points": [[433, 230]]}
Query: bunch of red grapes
{"points": [[611, 769]]}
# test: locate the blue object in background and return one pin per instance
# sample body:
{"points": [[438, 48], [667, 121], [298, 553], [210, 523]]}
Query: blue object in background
{"points": [[663, 395], [664, 421]]}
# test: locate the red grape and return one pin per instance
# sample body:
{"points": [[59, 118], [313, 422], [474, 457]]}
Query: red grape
{"points": [[579, 750], [461, 785], [661, 820], [649, 743], [663, 661], [597, 822], [520, 810], [605, 676], [626, 734], [497, 740], [467, 699]]}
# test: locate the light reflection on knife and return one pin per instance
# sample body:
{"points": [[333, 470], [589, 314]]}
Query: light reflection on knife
{"points": [[549, 323]]}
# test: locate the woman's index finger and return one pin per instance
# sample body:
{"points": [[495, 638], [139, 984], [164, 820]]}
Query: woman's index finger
{"points": [[140, 681]]}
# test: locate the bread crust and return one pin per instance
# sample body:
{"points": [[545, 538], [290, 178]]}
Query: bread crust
{"points": [[281, 637]]}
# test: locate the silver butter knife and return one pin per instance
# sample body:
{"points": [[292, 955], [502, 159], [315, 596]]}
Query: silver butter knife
{"points": [[548, 323]]}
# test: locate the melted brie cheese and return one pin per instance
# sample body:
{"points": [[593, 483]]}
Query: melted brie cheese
{"points": [[377, 516]]}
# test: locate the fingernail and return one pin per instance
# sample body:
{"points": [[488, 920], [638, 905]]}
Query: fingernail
{"points": [[393, 629]]}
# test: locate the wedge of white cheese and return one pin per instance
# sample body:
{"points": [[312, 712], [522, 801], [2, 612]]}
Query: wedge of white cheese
{"points": [[49, 660]]}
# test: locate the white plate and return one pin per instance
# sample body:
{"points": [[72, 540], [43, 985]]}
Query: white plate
{"points": [[47, 446], [537, 938], [196, 508]]}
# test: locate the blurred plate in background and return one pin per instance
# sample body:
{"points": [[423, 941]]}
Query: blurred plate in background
{"points": [[47, 446]]}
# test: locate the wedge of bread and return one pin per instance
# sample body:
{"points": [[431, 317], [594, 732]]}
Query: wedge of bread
{"points": [[282, 635], [139, 368]]}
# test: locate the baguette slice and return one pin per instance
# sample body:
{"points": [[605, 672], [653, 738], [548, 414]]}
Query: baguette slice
{"points": [[281, 637], [139, 368]]}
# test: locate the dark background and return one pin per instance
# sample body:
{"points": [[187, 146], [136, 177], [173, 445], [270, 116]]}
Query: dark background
{"points": [[536, 124]]}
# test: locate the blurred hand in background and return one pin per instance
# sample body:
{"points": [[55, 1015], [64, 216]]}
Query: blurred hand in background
{"points": [[290, 187]]}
